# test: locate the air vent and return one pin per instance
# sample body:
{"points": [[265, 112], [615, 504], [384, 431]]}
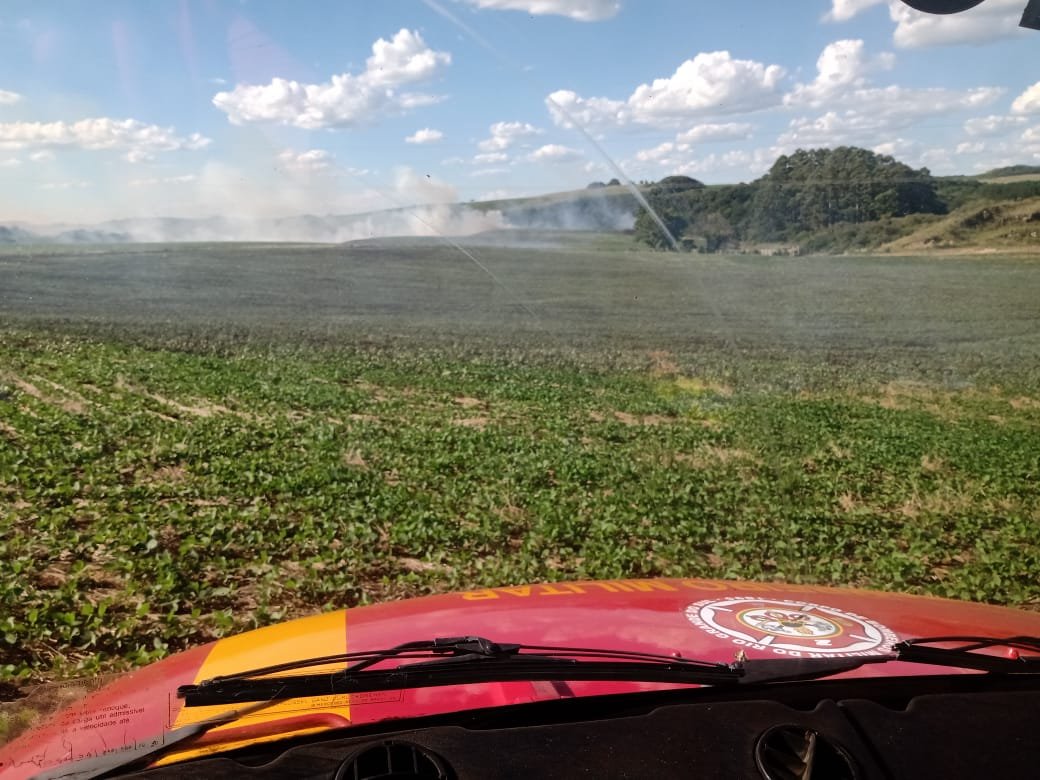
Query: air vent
{"points": [[394, 761], [798, 753]]}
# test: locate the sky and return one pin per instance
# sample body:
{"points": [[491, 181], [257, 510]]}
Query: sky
{"points": [[254, 108]]}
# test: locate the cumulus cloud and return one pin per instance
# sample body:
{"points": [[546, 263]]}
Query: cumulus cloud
{"points": [[488, 158], [710, 84], [425, 136], [841, 65], [506, 134], [8, 98], [44, 155], [990, 21], [843, 10], [310, 161], [581, 10], [139, 141], [347, 99], [710, 133], [554, 153], [1028, 102], [992, 125], [10, 162], [883, 110]]}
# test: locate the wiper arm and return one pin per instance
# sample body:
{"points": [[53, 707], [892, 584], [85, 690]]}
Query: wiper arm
{"points": [[965, 656], [453, 661], [142, 749], [466, 660], [915, 651]]}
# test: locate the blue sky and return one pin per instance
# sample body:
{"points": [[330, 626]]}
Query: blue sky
{"points": [[199, 107]]}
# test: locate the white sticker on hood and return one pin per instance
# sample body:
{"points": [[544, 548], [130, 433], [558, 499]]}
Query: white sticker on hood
{"points": [[792, 628]]}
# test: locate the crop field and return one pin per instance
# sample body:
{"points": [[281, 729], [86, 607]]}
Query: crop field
{"points": [[199, 440]]}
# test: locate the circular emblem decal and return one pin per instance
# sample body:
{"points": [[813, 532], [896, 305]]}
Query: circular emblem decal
{"points": [[796, 628]]}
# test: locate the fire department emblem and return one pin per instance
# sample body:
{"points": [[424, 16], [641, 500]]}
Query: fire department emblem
{"points": [[796, 628]]}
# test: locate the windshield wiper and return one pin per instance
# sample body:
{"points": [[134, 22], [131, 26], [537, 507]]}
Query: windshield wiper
{"points": [[923, 650], [453, 661], [146, 748], [467, 660]]}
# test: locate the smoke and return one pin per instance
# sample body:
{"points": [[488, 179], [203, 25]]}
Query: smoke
{"points": [[436, 220], [589, 211], [327, 210]]}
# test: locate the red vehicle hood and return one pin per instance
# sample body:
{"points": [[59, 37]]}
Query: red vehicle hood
{"points": [[704, 619]]}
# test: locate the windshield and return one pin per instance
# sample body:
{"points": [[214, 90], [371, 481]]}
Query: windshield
{"points": [[309, 306]]}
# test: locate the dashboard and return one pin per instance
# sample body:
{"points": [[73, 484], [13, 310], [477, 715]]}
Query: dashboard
{"points": [[922, 727]]}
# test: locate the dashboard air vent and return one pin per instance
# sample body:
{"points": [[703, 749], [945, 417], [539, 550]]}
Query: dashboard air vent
{"points": [[798, 753], [393, 761]]}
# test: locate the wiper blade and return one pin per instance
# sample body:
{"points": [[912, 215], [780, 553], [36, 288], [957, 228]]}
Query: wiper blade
{"points": [[452, 661], [95, 766], [467, 660], [965, 655]]}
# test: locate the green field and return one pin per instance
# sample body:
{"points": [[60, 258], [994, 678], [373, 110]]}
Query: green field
{"points": [[198, 440]]}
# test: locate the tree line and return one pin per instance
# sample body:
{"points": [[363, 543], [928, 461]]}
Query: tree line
{"points": [[803, 193]]}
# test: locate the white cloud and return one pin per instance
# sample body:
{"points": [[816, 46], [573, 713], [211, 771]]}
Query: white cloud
{"points": [[710, 84], [506, 134], [489, 172], [709, 133], [311, 161], [1029, 101], [44, 155], [8, 98], [843, 10], [738, 162], [425, 136], [187, 178], [971, 147], [10, 162], [897, 147], [842, 82], [594, 112], [554, 153], [993, 20], [347, 99], [488, 158], [137, 140], [663, 153], [882, 110], [986, 126], [582, 10], [842, 65], [990, 21], [75, 184]]}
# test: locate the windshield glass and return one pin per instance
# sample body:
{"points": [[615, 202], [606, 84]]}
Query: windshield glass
{"points": [[309, 306]]}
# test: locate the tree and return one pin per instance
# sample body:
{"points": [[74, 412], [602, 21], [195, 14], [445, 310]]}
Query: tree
{"points": [[815, 188], [649, 232], [676, 184]]}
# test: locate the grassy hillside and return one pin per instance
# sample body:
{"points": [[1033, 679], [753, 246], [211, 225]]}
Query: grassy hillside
{"points": [[979, 225]]}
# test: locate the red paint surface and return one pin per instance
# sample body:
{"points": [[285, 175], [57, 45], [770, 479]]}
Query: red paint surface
{"points": [[648, 616]]}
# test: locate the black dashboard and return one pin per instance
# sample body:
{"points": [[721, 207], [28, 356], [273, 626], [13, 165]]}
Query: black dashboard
{"points": [[942, 727]]}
